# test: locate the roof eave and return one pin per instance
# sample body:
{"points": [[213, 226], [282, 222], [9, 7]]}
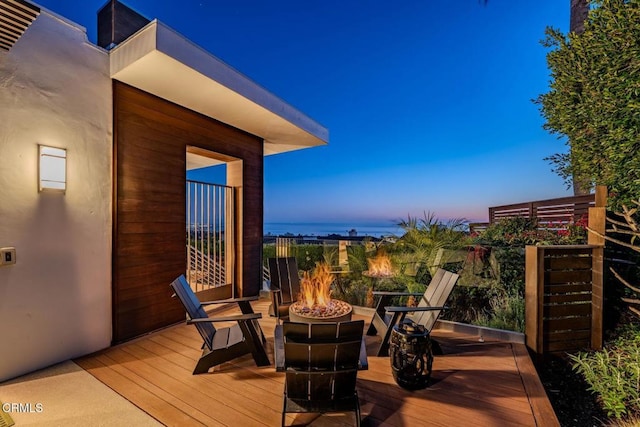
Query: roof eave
{"points": [[160, 61]]}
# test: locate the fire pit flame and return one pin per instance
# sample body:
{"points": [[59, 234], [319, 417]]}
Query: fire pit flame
{"points": [[379, 266], [314, 301], [315, 288]]}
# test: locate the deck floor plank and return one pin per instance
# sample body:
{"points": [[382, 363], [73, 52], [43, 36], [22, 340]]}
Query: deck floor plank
{"points": [[473, 384]]}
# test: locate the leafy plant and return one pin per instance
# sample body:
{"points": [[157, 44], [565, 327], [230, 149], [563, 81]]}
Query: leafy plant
{"points": [[507, 313], [624, 231], [499, 301], [593, 101], [614, 373]]}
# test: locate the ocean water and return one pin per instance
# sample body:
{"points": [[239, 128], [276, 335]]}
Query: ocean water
{"points": [[324, 228]]}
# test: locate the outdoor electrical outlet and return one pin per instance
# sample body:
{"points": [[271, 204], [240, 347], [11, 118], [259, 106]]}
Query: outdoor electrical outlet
{"points": [[7, 256]]}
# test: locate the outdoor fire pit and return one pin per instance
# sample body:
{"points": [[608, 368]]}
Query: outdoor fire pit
{"points": [[379, 267], [315, 303], [334, 311]]}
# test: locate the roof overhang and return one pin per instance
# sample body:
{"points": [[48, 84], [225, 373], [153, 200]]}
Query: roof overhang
{"points": [[15, 18], [160, 61]]}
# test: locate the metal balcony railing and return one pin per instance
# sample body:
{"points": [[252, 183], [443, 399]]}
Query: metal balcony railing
{"points": [[210, 235]]}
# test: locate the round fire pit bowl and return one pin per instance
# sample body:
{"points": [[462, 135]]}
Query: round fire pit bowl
{"points": [[336, 311]]}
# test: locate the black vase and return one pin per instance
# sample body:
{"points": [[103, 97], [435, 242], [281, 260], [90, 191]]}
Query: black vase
{"points": [[411, 355]]}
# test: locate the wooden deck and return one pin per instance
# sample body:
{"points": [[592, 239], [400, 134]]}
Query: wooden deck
{"points": [[474, 384]]}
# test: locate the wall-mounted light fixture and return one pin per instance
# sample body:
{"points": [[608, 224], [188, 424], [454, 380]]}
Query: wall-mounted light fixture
{"points": [[52, 168]]}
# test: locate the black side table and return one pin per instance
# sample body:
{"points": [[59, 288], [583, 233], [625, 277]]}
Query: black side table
{"points": [[411, 355]]}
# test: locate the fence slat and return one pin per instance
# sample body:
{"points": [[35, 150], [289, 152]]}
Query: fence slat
{"points": [[568, 310], [562, 277]]}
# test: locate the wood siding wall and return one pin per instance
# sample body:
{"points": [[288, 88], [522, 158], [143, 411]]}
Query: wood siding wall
{"points": [[151, 136]]}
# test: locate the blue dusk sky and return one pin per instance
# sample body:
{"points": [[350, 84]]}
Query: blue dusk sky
{"points": [[428, 102]]}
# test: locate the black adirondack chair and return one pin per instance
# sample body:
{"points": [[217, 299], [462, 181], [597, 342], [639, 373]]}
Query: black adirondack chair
{"points": [[426, 313], [321, 362], [285, 285], [224, 344]]}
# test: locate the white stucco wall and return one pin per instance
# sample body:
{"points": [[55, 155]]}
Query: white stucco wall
{"points": [[55, 302]]}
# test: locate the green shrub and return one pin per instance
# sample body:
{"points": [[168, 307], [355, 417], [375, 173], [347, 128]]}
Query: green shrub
{"points": [[497, 300], [306, 255], [614, 373], [467, 304], [352, 291], [507, 313]]}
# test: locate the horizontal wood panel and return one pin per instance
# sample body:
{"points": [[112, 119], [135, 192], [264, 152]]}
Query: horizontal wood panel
{"points": [[156, 296], [146, 144], [159, 215], [567, 288], [567, 298], [133, 239], [131, 258], [567, 324], [202, 135], [579, 335], [564, 251], [565, 310], [156, 175], [567, 346], [568, 263], [153, 228], [133, 275], [560, 277]]}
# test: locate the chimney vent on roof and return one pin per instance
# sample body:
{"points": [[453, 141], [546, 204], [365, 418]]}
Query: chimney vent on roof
{"points": [[116, 22]]}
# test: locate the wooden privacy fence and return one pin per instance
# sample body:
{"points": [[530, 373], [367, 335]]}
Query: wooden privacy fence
{"points": [[550, 213], [564, 295]]}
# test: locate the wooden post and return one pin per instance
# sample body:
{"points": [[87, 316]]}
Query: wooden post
{"points": [[601, 196], [598, 223], [235, 179], [597, 297], [343, 255], [534, 278]]}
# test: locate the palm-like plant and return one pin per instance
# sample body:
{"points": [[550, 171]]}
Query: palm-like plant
{"points": [[426, 239]]}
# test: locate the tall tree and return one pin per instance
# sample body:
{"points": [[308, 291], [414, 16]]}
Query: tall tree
{"points": [[578, 17], [594, 99]]}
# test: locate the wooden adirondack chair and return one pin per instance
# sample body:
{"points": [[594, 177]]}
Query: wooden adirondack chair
{"points": [[285, 285], [321, 362], [426, 313], [222, 345]]}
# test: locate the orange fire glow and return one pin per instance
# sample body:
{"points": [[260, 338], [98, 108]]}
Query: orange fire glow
{"points": [[315, 288], [380, 266]]}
